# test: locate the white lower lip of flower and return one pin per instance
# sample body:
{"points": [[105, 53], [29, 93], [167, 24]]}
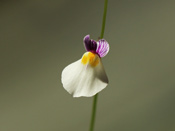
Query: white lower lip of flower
{"points": [[83, 79]]}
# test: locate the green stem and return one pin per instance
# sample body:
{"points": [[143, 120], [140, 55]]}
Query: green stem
{"points": [[104, 19], [93, 113], [96, 96]]}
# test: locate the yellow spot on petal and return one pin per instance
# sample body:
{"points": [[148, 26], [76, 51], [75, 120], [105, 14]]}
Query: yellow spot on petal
{"points": [[91, 58], [84, 59]]}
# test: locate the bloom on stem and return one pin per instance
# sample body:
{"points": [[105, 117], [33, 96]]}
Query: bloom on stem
{"points": [[87, 76]]}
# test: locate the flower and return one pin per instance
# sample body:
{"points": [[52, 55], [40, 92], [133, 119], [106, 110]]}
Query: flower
{"points": [[86, 77]]}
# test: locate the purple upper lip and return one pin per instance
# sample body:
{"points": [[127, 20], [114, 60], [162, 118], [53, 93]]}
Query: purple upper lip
{"points": [[100, 47]]}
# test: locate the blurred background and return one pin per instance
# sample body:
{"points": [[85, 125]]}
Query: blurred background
{"points": [[39, 38]]}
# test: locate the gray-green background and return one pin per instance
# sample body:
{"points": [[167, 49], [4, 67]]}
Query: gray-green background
{"points": [[39, 38]]}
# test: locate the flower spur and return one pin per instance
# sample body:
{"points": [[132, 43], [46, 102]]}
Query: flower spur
{"points": [[86, 77]]}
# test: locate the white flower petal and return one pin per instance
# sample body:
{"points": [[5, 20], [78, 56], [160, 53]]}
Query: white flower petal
{"points": [[84, 79]]}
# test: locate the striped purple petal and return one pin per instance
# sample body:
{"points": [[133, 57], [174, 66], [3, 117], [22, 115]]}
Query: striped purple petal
{"points": [[90, 45], [102, 47]]}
